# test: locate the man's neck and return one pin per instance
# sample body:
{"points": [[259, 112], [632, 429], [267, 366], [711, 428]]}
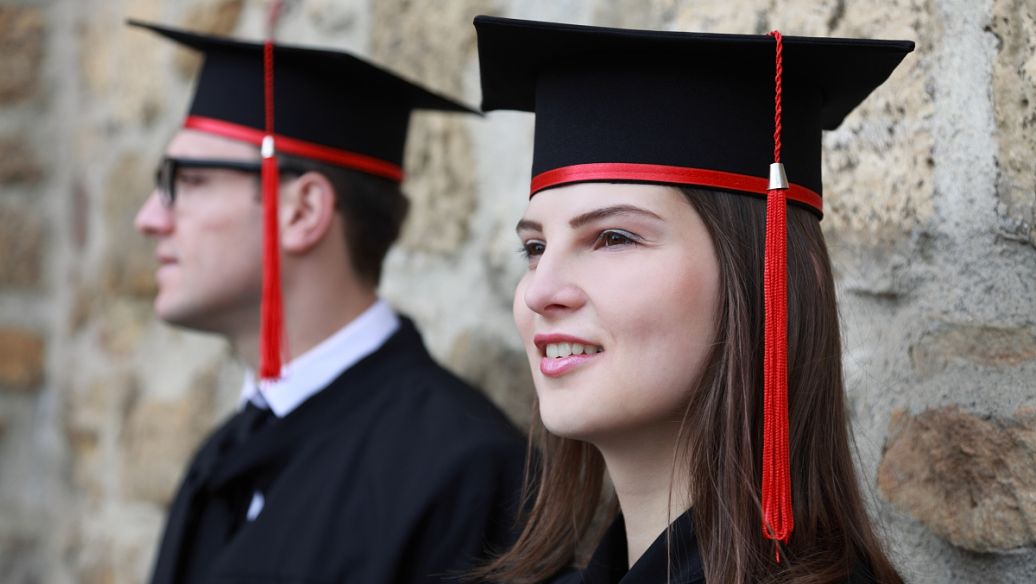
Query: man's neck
{"points": [[308, 320], [314, 326]]}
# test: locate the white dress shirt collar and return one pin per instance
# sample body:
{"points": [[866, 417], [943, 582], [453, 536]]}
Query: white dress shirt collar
{"points": [[312, 371]]}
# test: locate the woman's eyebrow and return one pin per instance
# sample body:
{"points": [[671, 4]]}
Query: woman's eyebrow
{"points": [[605, 212], [591, 216]]}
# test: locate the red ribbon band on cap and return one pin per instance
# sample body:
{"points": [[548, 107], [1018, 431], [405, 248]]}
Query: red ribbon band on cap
{"points": [[604, 171], [296, 147]]}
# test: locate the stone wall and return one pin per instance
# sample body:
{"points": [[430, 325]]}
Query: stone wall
{"points": [[931, 217]]}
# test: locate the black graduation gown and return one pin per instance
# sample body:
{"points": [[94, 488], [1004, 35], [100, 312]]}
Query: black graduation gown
{"points": [[682, 565], [608, 565], [397, 472]]}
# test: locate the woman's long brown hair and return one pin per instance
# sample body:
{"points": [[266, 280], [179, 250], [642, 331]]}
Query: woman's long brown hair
{"points": [[721, 438]]}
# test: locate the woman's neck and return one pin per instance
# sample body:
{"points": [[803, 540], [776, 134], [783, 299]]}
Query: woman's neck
{"points": [[651, 495]]}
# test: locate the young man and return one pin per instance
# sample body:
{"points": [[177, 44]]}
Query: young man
{"points": [[365, 461]]}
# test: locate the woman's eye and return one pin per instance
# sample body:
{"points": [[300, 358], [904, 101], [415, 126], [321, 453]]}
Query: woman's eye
{"points": [[532, 249], [615, 237]]}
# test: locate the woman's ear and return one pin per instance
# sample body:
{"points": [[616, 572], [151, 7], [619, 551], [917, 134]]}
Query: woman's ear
{"points": [[307, 212]]}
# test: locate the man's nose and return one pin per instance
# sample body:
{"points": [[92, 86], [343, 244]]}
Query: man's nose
{"points": [[154, 219]]}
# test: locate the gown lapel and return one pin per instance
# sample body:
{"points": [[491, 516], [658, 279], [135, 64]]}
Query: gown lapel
{"points": [[672, 558]]}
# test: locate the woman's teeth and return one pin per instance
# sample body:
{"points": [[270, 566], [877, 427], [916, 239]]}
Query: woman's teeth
{"points": [[559, 350]]}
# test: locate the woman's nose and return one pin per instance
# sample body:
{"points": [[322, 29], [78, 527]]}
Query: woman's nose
{"points": [[553, 287]]}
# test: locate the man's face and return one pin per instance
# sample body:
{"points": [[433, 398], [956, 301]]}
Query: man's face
{"points": [[208, 242]]}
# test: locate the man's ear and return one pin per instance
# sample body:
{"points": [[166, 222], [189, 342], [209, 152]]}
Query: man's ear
{"points": [[307, 212]]}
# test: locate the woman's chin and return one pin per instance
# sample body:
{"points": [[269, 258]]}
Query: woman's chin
{"points": [[573, 423], [570, 431]]}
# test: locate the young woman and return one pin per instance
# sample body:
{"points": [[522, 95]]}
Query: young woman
{"points": [[679, 311]]}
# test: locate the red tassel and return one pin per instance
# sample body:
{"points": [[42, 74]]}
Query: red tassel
{"points": [[778, 519], [271, 318], [271, 323], [778, 516]]}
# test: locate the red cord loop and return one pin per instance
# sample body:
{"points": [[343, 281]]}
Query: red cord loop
{"points": [[777, 96]]}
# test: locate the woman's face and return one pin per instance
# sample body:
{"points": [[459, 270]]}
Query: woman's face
{"points": [[617, 308]]}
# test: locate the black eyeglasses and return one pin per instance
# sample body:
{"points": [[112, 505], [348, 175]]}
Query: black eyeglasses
{"points": [[167, 174]]}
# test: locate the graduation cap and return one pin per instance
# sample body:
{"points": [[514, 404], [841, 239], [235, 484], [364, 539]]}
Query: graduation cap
{"points": [[717, 111], [330, 107]]}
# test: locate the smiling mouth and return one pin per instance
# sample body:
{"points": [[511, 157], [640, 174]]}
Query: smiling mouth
{"points": [[562, 350], [560, 357]]}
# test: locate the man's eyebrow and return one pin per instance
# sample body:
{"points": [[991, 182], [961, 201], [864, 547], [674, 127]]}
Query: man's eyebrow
{"points": [[605, 212], [526, 225]]}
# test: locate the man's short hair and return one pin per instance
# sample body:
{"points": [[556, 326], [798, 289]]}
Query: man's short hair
{"points": [[373, 209]]}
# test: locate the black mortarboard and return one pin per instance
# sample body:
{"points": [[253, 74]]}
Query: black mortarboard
{"points": [[707, 110], [673, 99], [330, 106]]}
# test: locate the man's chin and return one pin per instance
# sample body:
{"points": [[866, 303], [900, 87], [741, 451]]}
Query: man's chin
{"points": [[184, 317]]}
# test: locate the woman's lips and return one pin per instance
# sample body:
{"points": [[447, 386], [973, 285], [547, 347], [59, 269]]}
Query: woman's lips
{"points": [[561, 353], [558, 366]]}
